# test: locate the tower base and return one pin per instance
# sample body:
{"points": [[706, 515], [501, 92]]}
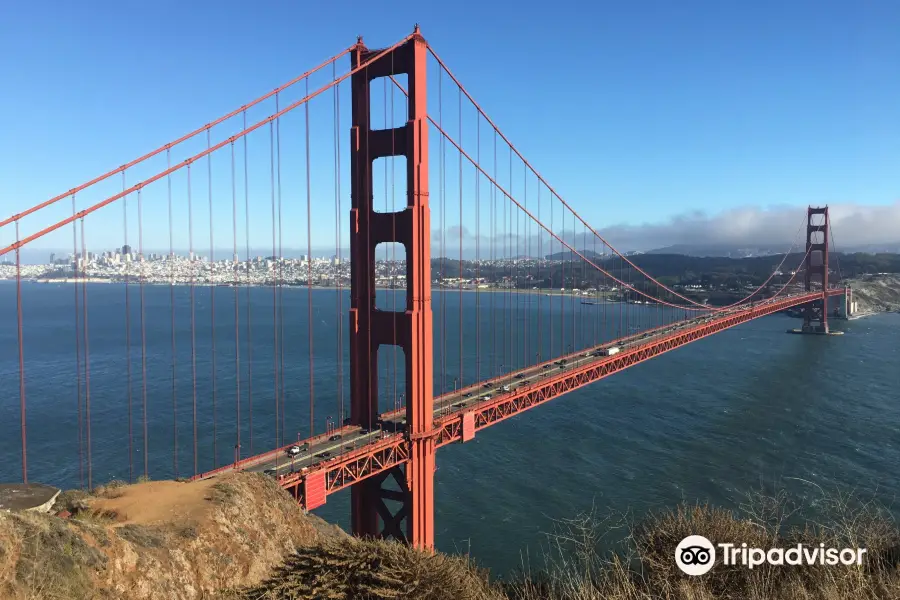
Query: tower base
{"points": [[814, 331]]}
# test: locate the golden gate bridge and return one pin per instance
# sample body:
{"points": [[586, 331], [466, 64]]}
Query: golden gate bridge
{"points": [[386, 456]]}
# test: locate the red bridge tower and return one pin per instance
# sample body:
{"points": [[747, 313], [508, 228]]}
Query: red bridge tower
{"points": [[815, 314], [371, 327]]}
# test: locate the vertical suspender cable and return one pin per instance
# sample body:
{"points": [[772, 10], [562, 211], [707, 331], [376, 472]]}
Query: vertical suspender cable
{"points": [[459, 274], [443, 183], [143, 333], [493, 365], [477, 250], [87, 361], [337, 245], [393, 266], [280, 263], [249, 304], [128, 342], [272, 272], [212, 301], [309, 270], [192, 266], [21, 358], [77, 348], [172, 307], [237, 330], [540, 286], [550, 273], [527, 308], [494, 202]]}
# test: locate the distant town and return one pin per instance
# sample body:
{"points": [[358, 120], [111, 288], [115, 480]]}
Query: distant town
{"points": [[557, 273], [715, 280]]}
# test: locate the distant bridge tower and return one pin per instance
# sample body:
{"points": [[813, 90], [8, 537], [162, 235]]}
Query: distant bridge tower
{"points": [[413, 489], [815, 314]]}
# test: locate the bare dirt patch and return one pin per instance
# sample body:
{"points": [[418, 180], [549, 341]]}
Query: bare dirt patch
{"points": [[156, 502], [157, 539]]}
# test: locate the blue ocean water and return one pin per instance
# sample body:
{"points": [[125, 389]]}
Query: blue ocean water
{"points": [[747, 408]]}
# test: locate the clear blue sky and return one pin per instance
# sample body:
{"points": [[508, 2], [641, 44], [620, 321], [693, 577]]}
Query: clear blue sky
{"points": [[635, 111]]}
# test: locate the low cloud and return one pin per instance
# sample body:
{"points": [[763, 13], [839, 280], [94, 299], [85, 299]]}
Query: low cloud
{"points": [[853, 226]]}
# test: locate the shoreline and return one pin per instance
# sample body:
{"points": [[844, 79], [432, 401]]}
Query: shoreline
{"points": [[592, 299], [287, 286]]}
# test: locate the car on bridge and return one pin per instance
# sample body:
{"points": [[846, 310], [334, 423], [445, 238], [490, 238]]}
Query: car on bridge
{"points": [[295, 450]]}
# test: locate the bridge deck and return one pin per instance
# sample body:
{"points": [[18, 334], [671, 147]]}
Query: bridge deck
{"points": [[350, 453]]}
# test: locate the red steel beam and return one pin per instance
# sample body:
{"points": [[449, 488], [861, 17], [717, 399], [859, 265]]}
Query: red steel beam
{"points": [[354, 467], [390, 451], [450, 428]]}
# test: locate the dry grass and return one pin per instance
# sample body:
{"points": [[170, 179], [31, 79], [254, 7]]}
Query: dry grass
{"points": [[233, 531], [354, 568], [644, 567]]}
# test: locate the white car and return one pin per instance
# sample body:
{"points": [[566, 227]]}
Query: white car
{"points": [[293, 450]]}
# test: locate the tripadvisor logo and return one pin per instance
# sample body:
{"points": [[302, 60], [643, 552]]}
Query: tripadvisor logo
{"points": [[696, 555]]}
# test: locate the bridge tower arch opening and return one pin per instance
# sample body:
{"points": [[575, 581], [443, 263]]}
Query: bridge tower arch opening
{"points": [[410, 490], [815, 314]]}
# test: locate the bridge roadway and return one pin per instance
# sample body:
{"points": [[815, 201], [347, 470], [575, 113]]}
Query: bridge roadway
{"points": [[349, 440]]}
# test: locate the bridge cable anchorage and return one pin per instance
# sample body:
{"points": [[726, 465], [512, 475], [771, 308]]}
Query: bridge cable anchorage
{"points": [[170, 145], [564, 203]]}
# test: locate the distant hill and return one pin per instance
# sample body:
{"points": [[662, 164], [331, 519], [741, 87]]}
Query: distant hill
{"points": [[730, 251], [569, 255], [704, 250]]}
